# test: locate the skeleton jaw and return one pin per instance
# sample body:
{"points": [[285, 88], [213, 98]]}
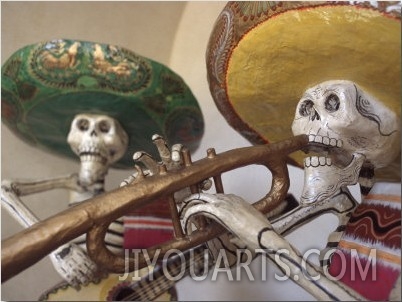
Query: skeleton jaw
{"points": [[331, 148], [94, 164], [322, 177], [92, 154]]}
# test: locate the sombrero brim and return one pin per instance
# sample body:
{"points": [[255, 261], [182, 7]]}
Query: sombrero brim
{"points": [[261, 57], [46, 84]]}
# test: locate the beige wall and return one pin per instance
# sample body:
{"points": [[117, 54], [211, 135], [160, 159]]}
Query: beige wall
{"points": [[173, 33], [147, 28]]}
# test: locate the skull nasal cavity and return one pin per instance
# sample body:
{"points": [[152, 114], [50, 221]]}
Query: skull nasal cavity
{"points": [[307, 109], [314, 116], [93, 133]]}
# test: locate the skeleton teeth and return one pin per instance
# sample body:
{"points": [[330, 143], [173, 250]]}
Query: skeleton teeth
{"points": [[325, 140], [317, 161], [314, 161], [318, 139], [94, 157]]}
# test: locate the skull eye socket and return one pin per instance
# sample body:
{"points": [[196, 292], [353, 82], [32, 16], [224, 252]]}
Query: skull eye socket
{"points": [[306, 108], [332, 103], [104, 126], [83, 124]]}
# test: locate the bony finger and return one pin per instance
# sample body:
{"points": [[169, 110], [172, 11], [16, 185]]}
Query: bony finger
{"points": [[84, 280], [162, 147], [176, 153], [89, 276], [74, 283], [206, 184], [127, 181], [147, 161]]}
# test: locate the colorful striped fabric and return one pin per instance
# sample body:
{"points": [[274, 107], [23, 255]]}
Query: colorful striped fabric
{"points": [[368, 256], [148, 226]]}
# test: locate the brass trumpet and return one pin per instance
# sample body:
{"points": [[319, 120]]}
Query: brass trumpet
{"points": [[94, 215]]}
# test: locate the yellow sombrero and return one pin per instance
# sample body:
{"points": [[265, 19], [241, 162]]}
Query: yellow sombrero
{"points": [[262, 56]]}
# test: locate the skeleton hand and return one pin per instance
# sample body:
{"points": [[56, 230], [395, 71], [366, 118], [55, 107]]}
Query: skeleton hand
{"points": [[212, 205], [251, 226], [230, 210], [172, 159], [73, 264]]}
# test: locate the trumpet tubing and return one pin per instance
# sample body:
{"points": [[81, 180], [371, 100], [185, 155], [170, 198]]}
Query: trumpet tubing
{"points": [[94, 215]]}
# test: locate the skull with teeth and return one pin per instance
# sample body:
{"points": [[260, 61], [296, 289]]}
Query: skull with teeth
{"points": [[99, 141], [342, 120]]}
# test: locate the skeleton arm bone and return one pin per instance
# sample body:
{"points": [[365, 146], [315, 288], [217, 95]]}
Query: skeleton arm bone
{"points": [[21, 188], [254, 229], [16, 208], [69, 260], [340, 204], [11, 190]]}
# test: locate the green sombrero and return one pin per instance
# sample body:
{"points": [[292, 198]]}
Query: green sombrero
{"points": [[46, 84], [262, 56]]}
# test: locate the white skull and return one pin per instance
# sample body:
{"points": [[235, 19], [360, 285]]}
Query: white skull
{"points": [[340, 114], [345, 123], [99, 141]]}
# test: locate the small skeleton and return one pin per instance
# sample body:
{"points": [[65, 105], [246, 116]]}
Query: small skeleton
{"points": [[99, 141], [352, 129]]}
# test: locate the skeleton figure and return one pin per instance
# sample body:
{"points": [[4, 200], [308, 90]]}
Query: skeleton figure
{"points": [[356, 132], [350, 128], [99, 141]]}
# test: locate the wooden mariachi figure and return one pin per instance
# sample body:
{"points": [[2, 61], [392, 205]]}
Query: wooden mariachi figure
{"points": [[330, 71], [101, 103], [237, 94]]}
